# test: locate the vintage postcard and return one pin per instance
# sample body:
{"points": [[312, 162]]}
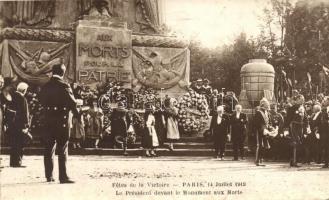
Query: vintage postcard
{"points": [[164, 99]]}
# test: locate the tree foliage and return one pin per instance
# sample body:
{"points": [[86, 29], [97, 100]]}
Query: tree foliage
{"points": [[294, 38], [307, 37], [222, 65]]}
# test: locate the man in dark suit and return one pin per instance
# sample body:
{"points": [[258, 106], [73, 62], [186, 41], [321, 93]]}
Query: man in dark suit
{"points": [[120, 122], [57, 99], [296, 125], [19, 125], [311, 141], [238, 122], [324, 132], [219, 128]]}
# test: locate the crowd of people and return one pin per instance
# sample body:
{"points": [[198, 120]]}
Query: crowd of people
{"points": [[295, 129]]}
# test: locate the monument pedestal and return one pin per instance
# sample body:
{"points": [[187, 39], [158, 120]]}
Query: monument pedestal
{"points": [[103, 52]]}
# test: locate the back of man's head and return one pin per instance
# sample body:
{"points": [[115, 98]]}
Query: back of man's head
{"points": [[59, 69]]}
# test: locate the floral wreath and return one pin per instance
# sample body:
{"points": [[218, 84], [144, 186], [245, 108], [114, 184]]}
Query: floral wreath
{"points": [[193, 112]]}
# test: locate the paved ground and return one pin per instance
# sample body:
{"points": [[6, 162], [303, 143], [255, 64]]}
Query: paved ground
{"points": [[113, 177]]}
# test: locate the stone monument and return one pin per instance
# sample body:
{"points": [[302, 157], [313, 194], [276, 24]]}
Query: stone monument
{"points": [[99, 40], [103, 52]]}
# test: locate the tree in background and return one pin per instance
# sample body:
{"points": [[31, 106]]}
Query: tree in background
{"points": [[307, 36], [222, 65], [294, 39]]}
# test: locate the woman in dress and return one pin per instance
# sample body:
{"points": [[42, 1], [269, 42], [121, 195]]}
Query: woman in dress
{"points": [[150, 139], [160, 123], [172, 124], [78, 132], [94, 125]]}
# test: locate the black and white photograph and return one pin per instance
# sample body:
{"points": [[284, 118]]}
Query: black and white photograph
{"points": [[164, 99]]}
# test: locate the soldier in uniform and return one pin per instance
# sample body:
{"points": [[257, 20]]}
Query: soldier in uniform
{"points": [[296, 125], [238, 123], [57, 99], [276, 142]]}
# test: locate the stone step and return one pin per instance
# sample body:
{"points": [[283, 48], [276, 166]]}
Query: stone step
{"points": [[182, 143], [190, 145], [132, 152], [178, 145]]}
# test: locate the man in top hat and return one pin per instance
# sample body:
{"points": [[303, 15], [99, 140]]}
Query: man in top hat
{"points": [[57, 99], [238, 122]]}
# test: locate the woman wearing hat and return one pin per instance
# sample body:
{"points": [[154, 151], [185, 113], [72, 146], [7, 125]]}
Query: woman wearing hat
{"points": [[78, 132], [94, 125], [150, 139], [172, 124]]}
